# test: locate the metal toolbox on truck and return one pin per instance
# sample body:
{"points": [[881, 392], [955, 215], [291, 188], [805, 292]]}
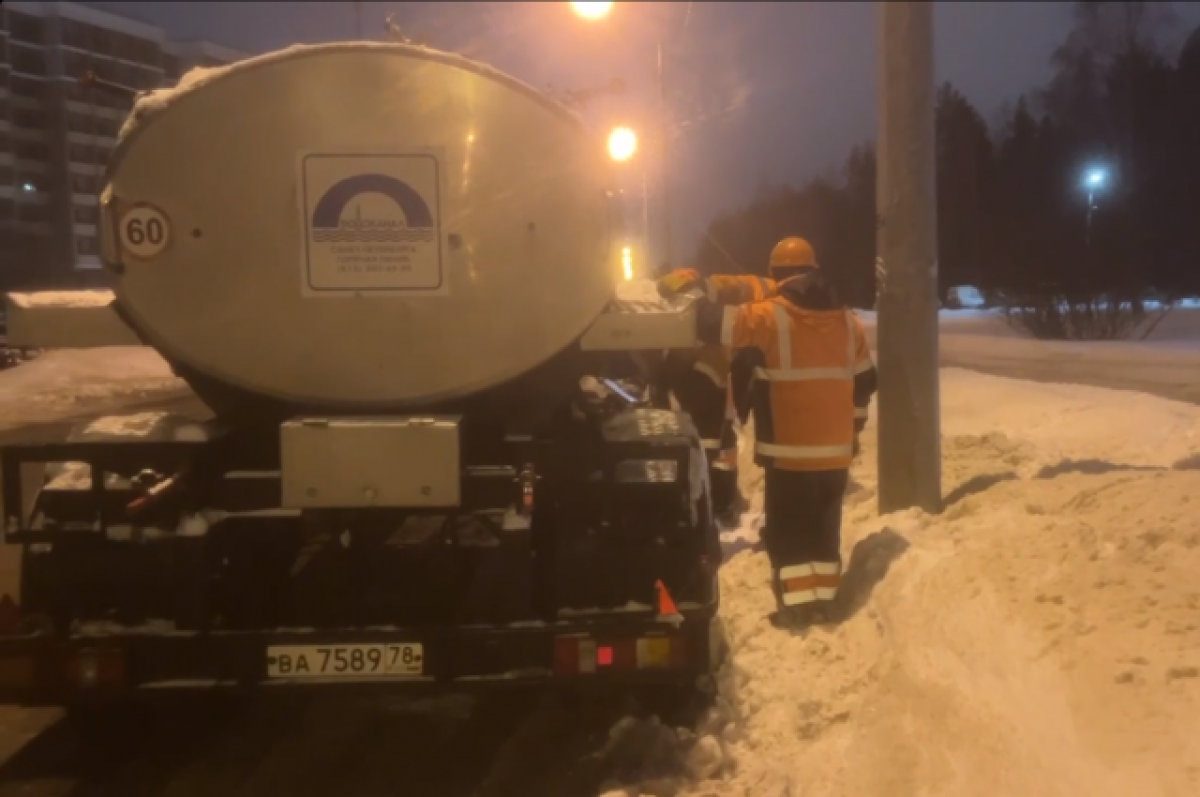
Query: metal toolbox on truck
{"points": [[628, 330], [345, 463]]}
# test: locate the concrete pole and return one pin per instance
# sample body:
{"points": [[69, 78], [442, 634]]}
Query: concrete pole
{"points": [[649, 267], [668, 250], [910, 459]]}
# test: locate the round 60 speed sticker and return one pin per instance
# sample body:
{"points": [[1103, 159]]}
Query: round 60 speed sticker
{"points": [[145, 232]]}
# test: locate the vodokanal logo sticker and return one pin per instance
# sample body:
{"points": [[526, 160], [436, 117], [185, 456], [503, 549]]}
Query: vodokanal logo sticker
{"points": [[371, 224]]}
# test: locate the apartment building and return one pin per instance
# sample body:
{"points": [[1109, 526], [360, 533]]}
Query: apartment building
{"points": [[56, 137]]}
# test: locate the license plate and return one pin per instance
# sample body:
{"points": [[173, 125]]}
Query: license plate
{"points": [[345, 661]]}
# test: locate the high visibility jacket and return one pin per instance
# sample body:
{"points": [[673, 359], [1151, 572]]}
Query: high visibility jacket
{"points": [[713, 360], [812, 378]]}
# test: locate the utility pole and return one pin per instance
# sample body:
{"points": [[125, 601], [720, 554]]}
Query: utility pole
{"points": [[910, 458], [668, 253], [647, 266]]}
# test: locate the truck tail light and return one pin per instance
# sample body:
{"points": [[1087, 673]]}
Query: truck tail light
{"points": [[587, 655]]}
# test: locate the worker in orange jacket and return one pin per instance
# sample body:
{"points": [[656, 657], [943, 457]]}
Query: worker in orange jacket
{"points": [[699, 381], [809, 379]]}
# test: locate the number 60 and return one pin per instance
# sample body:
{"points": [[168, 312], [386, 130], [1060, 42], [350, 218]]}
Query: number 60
{"points": [[139, 232]]}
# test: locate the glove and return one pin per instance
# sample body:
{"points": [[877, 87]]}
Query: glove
{"points": [[676, 282]]}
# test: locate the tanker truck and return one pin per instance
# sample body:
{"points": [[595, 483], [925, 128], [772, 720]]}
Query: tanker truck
{"points": [[391, 275]]}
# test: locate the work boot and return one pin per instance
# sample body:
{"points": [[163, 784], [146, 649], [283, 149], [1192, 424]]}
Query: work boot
{"points": [[804, 616]]}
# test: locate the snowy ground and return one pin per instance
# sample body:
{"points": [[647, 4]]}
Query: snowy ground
{"points": [[65, 383], [1041, 637], [1166, 364]]}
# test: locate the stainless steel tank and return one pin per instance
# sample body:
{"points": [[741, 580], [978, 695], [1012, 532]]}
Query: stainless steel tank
{"points": [[358, 227]]}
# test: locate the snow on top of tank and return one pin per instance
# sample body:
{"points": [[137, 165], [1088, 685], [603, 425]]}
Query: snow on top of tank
{"points": [[64, 299], [150, 103]]}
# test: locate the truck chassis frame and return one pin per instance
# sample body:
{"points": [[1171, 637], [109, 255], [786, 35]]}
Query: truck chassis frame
{"points": [[49, 656]]}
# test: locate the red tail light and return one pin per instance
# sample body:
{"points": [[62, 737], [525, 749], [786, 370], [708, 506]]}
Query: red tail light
{"points": [[586, 655]]}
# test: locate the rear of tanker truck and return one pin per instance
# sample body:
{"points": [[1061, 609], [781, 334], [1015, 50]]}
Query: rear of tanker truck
{"points": [[390, 275]]}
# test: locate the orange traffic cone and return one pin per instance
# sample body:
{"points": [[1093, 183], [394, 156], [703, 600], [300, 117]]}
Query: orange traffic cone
{"points": [[667, 611]]}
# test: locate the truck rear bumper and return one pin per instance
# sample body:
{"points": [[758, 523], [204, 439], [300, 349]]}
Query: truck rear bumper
{"points": [[608, 651]]}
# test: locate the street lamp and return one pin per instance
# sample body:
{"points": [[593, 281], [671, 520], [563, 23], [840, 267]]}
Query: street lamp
{"points": [[595, 11], [622, 144], [1094, 180], [591, 10]]}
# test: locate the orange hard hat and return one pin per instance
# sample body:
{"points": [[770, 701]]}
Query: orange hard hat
{"points": [[792, 253]]}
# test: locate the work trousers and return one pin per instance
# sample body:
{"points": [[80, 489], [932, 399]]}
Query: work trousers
{"points": [[803, 532], [705, 401]]}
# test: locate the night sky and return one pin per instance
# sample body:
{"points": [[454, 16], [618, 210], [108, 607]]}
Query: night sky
{"points": [[760, 93]]}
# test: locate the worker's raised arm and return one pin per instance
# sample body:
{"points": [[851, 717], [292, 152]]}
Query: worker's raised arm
{"points": [[723, 289], [681, 281], [865, 378], [740, 289]]}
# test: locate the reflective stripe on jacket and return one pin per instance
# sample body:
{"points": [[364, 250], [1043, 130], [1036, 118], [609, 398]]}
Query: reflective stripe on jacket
{"points": [[805, 384]]}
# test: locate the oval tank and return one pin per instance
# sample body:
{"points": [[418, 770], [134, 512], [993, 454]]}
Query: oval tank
{"points": [[358, 228]]}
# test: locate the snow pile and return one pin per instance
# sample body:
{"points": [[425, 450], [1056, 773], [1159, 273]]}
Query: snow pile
{"points": [[65, 299], [156, 425], [1040, 637], [68, 382]]}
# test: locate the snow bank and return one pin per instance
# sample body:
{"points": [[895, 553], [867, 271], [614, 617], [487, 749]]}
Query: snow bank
{"points": [[1040, 637], [67, 382], [67, 299]]}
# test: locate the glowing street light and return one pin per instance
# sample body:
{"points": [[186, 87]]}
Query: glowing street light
{"points": [[595, 11], [622, 144], [591, 10], [1094, 180], [627, 263]]}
